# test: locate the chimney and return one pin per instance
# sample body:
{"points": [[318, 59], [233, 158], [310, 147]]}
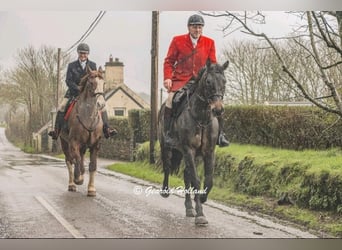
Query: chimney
{"points": [[114, 73]]}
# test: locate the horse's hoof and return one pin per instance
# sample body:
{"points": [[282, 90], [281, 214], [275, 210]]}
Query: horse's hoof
{"points": [[201, 221], [91, 193], [78, 182], [165, 193], [203, 198], [190, 212], [72, 188]]}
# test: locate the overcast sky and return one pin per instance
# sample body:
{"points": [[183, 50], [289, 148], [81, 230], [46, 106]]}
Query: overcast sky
{"points": [[124, 34]]}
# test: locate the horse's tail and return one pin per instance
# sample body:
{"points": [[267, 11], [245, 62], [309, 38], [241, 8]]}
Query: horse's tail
{"points": [[176, 160]]}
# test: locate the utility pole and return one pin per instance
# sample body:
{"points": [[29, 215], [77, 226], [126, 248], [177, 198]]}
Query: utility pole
{"points": [[154, 83], [161, 98], [58, 75], [54, 145]]}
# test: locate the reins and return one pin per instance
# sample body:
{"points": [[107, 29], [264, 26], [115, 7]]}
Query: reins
{"points": [[97, 118]]}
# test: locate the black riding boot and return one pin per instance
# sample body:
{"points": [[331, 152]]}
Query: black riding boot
{"points": [[58, 125], [107, 131], [222, 140], [169, 141]]}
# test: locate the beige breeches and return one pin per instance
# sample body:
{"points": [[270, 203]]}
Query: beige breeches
{"points": [[168, 102]]}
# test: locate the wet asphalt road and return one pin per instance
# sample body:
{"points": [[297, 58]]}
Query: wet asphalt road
{"points": [[35, 203]]}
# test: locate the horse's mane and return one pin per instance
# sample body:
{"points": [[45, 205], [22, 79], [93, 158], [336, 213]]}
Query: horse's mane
{"points": [[199, 77], [209, 67]]}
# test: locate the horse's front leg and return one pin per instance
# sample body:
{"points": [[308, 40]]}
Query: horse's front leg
{"points": [[92, 169], [68, 162], [189, 210], [71, 186], [209, 160], [83, 149], [189, 158], [75, 154]]}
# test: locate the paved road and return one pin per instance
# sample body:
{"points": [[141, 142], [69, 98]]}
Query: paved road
{"points": [[35, 203]]}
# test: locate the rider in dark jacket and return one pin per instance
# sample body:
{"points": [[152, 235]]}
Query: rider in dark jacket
{"points": [[77, 70]]}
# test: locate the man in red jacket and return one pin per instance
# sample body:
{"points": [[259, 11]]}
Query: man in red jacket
{"points": [[187, 54]]}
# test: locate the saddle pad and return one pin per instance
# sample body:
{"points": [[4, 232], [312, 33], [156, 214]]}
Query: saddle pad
{"points": [[69, 109]]}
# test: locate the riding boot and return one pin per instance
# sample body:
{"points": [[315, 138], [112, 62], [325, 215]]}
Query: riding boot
{"points": [[107, 131], [58, 125], [167, 127], [222, 140]]}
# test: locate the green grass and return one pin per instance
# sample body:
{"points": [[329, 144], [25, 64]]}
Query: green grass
{"points": [[313, 161], [330, 160]]}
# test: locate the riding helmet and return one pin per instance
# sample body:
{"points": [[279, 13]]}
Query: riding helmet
{"points": [[83, 48], [195, 20]]}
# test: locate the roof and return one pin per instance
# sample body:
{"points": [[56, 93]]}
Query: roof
{"points": [[130, 93]]}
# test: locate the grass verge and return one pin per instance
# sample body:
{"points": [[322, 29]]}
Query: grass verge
{"points": [[323, 224]]}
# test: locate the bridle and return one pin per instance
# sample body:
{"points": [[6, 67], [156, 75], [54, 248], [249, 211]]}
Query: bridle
{"points": [[95, 93], [211, 98], [205, 99]]}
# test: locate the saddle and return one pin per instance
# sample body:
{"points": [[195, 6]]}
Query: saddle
{"points": [[181, 98]]}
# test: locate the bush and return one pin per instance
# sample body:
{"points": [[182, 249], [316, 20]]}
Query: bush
{"points": [[283, 127]]}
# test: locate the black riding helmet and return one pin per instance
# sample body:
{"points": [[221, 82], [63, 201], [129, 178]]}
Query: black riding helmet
{"points": [[83, 48], [195, 20]]}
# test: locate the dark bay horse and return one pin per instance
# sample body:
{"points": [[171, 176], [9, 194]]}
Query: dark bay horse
{"points": [[196, 130], [84, 131]]}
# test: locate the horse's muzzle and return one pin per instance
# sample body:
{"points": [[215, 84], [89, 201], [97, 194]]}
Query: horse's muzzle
{"points": [[218, 111], [216, 103]]}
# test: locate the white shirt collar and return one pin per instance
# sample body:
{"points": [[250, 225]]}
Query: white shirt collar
{"points": [[194, 41], [83, 64]]}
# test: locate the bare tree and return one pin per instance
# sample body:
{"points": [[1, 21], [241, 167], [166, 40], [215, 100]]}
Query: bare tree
{"points": [[31, 84], [254, 75], [320, 43]]}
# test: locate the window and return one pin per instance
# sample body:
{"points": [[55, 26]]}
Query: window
{"points": [[119, 111]]}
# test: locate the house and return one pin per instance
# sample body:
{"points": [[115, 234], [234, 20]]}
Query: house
{"points": [[119, 97]]}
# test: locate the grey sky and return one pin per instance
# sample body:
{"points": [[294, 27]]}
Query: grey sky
{"points": [[124, 34]]}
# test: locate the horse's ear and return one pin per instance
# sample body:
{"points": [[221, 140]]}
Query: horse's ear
{"points": [[225, 65], [88, 69], [100, 70]]}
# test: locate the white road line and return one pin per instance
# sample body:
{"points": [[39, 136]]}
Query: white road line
{"points": [[60, 219]]}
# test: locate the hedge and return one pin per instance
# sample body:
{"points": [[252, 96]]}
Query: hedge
{"points": [[275, 126], [283, 127]]}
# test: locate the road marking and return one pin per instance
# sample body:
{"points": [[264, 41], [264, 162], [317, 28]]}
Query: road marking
{"points": [[60, 219]]}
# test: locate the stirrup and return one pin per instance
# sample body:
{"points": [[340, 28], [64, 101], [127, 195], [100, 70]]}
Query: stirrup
{"points": [[54, 134], [109, 132], [222, 141]]}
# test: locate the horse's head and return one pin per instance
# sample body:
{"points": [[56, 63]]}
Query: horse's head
{"points": [[212, 82], [92, 83]]}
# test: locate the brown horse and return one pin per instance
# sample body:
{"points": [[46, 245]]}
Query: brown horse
{"points": [[84, 131]]}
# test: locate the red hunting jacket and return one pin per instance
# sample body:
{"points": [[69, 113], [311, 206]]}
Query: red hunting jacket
{"points": [[183, 61]]}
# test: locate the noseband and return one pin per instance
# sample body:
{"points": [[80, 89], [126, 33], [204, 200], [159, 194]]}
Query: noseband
{"points": [[211, 98], [89, 83]]}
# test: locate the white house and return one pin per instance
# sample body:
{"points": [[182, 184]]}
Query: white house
{"points": [[119, 97]]}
